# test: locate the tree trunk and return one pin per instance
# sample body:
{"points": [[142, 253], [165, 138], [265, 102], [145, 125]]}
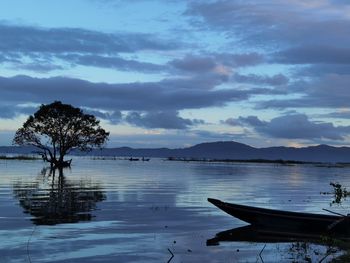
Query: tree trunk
{"points": [[60, 163]]}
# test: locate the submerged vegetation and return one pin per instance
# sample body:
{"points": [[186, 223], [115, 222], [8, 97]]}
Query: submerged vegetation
{"points": [[340, 193]]}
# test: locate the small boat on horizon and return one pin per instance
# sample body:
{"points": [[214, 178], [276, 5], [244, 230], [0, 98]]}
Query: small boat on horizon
{"points": [[286, 220]]}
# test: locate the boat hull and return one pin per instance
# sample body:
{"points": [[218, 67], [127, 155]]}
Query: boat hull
{"points": [[285, 220]]}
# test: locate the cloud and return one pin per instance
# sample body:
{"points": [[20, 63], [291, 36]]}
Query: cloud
{"points": [[8, 112], [320, 70], [113, 62], [212, 61], [161, 119], [252, 121], [44, 49], [342, 114], [276, 22], [114, 117], [173, 138], [27, 39], [328, 91], [166, 95], [296, 126], [11, 111], [37, 67], [241, 59], [310, 39], [215, 136], [194, 64], [212, 69], [275, 80], [315, 54]]}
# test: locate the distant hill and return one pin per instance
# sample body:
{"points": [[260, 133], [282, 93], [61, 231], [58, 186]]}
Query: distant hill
{"points": [[17, 150], [221, 150]]}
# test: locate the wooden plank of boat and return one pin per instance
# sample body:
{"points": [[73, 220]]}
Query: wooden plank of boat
{"points": [[278, 219]]}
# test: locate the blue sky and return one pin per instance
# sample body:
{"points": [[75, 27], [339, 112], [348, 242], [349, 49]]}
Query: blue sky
{"points": [[175, 73]]}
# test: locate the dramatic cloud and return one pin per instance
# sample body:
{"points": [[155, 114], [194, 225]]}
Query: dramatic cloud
{"points": [[42, 50], [213, 62], [114, 117], [46, 48], [290, 32], [166, 95], [10, 111], [320, 70], [276, 80], [37, 66], [232, 55], [296, 126], [314, 54], [61, 40], [343, 114], [195, 64], [277, 22], [165, 120], [111, 62], [329, 91]]}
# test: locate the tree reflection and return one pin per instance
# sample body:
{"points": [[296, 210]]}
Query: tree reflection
{"points": [[54, 199]]}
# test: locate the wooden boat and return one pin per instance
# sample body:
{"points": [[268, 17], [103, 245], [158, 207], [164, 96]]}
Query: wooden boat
{"points": [[285, 220]]}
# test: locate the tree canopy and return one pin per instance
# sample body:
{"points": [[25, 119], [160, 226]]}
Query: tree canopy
{"points": [[56, 129]]}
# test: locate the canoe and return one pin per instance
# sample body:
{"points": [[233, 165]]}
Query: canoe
{"points": [[286, 220]]}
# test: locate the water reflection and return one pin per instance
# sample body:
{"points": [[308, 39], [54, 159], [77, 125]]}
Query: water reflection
{"points": [[153, 206], [54, 199], [254, 234], [302, 246]]}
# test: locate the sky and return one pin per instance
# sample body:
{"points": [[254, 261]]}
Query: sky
{"points": [[174, 73]]}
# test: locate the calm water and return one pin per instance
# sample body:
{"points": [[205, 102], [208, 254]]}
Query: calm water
{"points": [[122, 211]]}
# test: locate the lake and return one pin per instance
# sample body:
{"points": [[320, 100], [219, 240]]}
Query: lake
{"points": [[123, 211]]}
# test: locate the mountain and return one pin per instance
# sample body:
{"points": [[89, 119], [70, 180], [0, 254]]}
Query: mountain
{"points": [[221, 150], [17, 150]]}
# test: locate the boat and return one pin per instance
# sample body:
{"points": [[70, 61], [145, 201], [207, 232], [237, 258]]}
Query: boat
{"points": [[285, 221]]}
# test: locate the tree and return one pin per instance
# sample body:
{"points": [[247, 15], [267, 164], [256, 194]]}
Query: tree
{"points": [[56, 129]]}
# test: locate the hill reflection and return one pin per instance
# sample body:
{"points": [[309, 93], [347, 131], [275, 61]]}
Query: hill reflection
{"points": [[55, 200]]}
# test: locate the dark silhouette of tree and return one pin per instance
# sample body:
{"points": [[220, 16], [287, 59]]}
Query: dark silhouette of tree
{"points": [[57, 128], [55, 200]]}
